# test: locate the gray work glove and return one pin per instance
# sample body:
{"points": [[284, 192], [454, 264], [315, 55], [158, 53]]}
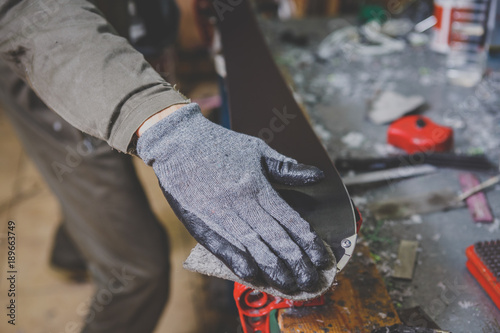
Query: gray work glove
{"points": [[217, 182]]}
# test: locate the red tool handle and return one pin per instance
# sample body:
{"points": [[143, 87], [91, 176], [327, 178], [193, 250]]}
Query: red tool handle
{"points": [[255, 307]]}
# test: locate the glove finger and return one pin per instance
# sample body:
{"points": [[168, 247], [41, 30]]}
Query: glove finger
{"points": [[273, 234], [285, 170], [292, 173], [274, 270], [247, 260], [237, 259], [299, 229]]}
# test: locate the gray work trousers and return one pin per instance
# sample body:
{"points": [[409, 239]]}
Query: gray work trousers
{"points": [[105, 212]]}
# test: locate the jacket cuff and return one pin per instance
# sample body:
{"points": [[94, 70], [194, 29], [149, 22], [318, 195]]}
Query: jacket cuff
{"points": [[123, 137]]}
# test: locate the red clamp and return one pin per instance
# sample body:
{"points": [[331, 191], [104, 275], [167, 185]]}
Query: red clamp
{"points": [[254, 307]]}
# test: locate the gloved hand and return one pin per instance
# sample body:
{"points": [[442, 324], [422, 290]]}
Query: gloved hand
{"points": [[217, 182]]}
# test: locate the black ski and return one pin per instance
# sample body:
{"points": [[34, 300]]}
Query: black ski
{"points": [[262, 105]]}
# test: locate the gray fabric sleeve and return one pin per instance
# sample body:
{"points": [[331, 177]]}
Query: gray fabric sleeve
{"points": [[77, 64]]}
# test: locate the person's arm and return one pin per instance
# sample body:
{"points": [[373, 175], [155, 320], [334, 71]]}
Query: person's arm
{"points": [[77, 64], [216, 180], [157, 117]]}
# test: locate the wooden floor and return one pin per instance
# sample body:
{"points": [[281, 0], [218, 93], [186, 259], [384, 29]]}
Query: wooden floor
{"points": [[45, 302]]}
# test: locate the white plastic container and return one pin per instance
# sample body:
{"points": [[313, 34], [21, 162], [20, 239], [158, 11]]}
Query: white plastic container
{"points": [[441, 30], [471, 26]]}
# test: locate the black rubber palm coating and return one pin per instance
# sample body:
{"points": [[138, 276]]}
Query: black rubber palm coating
{"points": [[217, 182]]}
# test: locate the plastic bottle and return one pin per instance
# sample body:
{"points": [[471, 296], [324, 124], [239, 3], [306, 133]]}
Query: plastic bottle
{"points": [[471, 26]]}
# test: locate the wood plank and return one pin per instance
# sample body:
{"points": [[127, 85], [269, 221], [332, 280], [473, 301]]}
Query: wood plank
{"points": [[359, 303], [407, 254]]}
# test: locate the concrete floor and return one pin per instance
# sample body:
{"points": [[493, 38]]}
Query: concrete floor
{"points": [[46, 302]]}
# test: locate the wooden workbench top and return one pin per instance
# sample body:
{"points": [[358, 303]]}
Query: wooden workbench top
{"points": [[359, 303]]}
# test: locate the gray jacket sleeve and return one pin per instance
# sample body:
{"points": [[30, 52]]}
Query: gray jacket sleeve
{"points": [[77, 64]]}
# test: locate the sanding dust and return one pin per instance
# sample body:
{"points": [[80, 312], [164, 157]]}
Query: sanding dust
{"points": [[353, 139], [494, 226], [359, 201], [322, 133], [466, 304]]}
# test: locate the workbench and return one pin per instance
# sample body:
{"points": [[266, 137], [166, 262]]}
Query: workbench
{"points": [[336, 94]]}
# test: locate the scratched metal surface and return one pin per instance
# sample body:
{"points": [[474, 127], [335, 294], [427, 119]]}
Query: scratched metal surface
{"points": [[336, 94]]}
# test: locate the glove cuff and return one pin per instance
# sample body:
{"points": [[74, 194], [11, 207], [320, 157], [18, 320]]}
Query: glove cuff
{"points": [[152, 143]]}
